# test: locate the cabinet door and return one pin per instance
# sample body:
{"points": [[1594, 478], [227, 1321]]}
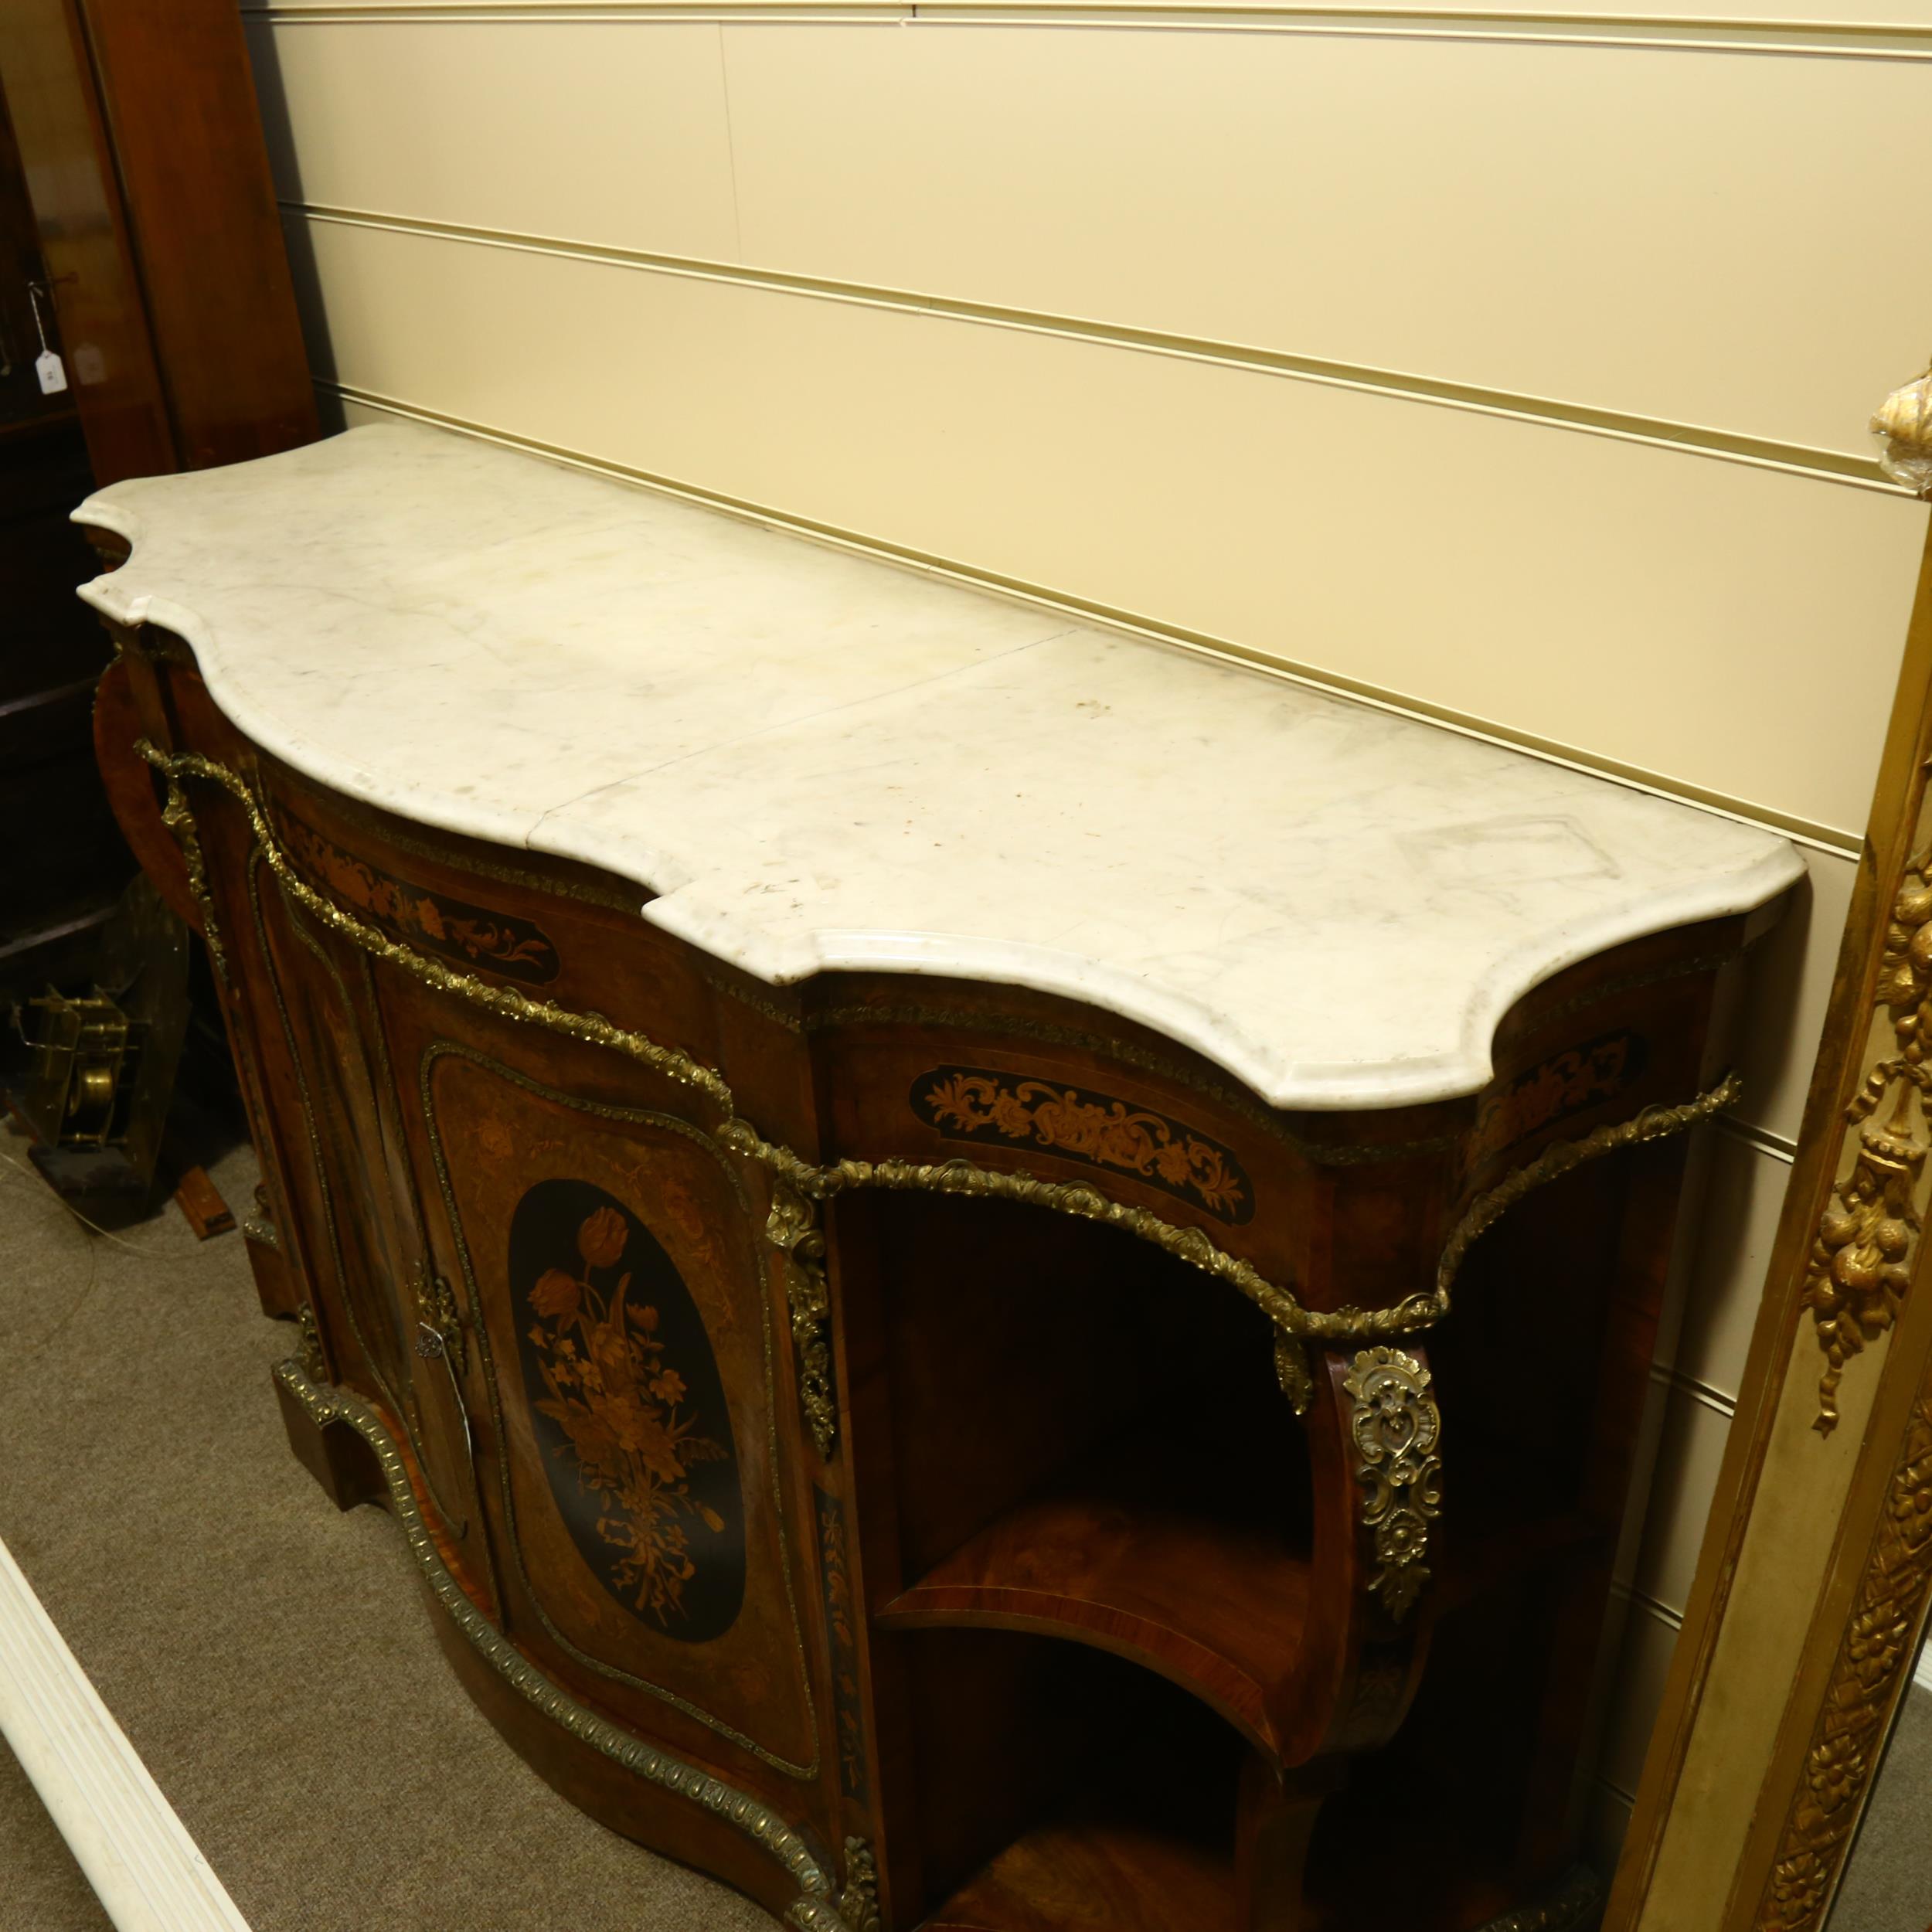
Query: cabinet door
{"points": [[365, 1252], [615, 1279]]}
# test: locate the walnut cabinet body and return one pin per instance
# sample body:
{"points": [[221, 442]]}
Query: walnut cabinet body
{"points": [[861, 1467]]}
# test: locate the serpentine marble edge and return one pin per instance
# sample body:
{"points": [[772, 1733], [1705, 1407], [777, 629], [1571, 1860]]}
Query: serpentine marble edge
{"points": [[811, 759]]}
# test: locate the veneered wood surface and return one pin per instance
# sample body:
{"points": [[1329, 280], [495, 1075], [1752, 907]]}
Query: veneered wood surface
{"points": [[130, 793], [178, 98], [1080, 1877], [113, 372], [158, 223], [1116, 1557]]}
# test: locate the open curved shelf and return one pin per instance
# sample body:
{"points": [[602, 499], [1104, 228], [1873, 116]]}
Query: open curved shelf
{"points": [[1128, 1552], [1078, 1875], [1137, 1828]]}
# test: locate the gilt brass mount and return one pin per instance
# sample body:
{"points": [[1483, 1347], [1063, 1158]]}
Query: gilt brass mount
{"points": [[1397, 1429]]}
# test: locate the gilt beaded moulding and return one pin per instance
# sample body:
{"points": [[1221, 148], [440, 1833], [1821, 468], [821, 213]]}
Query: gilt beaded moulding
{"points": [[814, 1909]]}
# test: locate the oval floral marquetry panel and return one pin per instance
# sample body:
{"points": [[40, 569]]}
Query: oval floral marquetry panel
{"points": [[975, 1103], [628, 1408]]}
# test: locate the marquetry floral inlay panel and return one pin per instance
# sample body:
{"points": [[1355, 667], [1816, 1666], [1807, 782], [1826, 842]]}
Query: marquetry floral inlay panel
{"points": [[835, 1584], [1567, 1083], [972, 1103], [628, 1408], [451, 928]]}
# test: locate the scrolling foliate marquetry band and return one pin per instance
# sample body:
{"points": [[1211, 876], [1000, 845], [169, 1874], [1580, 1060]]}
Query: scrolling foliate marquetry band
{"points": [[977, 1102], [834, 1577], [1861, 1262], [453, 928]]}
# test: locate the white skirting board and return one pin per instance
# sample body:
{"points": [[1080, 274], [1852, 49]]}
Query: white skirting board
{"points": [[124, 1835]]}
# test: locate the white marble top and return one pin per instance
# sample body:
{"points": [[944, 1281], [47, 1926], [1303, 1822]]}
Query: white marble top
{"points": [[817, 760]]}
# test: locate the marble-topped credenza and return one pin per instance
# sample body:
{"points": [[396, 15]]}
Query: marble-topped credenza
{"points": [[1002, 1276]]}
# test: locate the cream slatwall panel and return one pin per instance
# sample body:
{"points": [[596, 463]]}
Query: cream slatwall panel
{"points": [[1668, 611], [1687, 1458], [592, 129], [1512, 217], [1790, 981], [1608, 1821], [1695, 236], [1746, 1194], [1644, 1665]]}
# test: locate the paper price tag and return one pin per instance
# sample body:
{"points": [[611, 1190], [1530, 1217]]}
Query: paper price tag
{"points": [[53, 375]]}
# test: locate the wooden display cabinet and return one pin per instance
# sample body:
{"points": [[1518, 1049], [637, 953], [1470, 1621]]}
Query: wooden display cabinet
{"points": [[848, 1430]]}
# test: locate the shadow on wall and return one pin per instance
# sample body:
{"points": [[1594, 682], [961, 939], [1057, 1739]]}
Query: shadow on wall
{"points": [[285, 168]]}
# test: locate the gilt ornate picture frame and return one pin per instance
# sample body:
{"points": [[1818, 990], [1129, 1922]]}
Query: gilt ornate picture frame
{"points": [[1815, 1572]]}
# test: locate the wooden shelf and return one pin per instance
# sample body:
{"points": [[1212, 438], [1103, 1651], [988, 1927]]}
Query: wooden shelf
{"points": [[1096, 1875], [1155, 1557]]}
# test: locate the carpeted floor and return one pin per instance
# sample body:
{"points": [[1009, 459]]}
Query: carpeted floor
{"points": [[269, 1658], [1888, 1885], [40, 1885]]}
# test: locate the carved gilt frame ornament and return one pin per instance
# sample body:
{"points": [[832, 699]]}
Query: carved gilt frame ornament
{"points": [[1903, 427], [1396, 1428], [1861, 1262], [1295, 1323]]}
